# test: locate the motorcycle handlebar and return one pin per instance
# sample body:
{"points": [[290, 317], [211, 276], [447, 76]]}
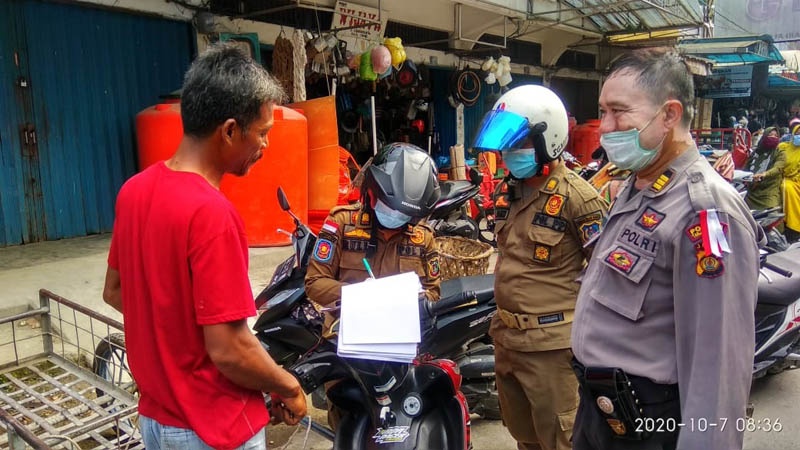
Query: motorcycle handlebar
{"points": [[778, 270], [447, 304]]}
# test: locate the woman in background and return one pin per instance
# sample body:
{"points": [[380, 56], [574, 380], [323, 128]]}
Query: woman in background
{"points": [[767, 163], [791, 185]]}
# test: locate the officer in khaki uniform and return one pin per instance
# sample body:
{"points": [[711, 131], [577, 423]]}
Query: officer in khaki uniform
{"points": [[664, 327], [543, 220], [387, 229]]}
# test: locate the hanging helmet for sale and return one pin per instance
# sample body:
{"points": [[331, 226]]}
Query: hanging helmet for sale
{"points": [[401, 184], [526, 112]]}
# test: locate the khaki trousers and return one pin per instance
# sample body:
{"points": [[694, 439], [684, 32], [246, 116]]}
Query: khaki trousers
{"points": [[538, 397]]}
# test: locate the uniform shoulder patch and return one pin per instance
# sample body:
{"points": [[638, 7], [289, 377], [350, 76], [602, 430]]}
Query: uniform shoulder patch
{"points": [[589, 225], [434, 269], [323, 250], [551, 185], [554, 204], [708, 266], [662, 181], [695, 232]]}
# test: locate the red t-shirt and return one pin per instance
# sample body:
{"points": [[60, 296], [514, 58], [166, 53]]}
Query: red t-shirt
{"points": [[180, 248]]}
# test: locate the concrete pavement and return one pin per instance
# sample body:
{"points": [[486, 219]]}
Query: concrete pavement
{"points": [[75, 269]]}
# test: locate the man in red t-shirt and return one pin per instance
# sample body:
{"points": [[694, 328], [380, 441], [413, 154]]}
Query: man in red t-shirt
{"points": [[177, 270]]}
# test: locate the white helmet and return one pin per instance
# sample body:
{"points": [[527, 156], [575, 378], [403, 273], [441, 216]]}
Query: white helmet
{"points": [[529, 111]]}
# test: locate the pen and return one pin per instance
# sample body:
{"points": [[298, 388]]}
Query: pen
{"points": [[369, 269]]}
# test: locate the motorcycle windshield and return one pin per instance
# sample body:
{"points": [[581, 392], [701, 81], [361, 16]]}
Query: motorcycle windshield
{"points": [[501, 130]]}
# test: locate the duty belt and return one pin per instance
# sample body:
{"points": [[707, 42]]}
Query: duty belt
{"points": [[620, 397], [522, 321]]}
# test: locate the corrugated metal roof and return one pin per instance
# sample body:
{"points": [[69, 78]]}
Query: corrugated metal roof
{"points": [[611, 16]]}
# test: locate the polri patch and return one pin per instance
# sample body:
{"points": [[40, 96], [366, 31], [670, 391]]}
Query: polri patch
{"points": [[554, 204], [554, 223], [650, 219], [622, 259], [541, 253], [323, 250], [695, 232], [640, 240]]}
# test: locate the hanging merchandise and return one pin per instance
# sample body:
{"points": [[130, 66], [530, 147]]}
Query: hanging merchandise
{"points": [[465, 87], [381, 59], [398, 52], [299, 66], [354, 62], [499, 71], [283, 63], [365, 71], [407, 75]]}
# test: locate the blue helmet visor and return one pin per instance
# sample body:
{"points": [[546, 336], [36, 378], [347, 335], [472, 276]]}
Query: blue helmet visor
{"points": [[501, 130]]}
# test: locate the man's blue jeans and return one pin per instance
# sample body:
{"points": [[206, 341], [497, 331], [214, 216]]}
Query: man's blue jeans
{"points": [[163, 437]]}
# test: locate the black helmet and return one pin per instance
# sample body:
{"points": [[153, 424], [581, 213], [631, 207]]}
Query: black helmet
{"points": [[404, 178]]}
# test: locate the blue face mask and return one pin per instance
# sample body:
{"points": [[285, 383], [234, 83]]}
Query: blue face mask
{"points": [[796, 140], [521, 162], [389, 218]]}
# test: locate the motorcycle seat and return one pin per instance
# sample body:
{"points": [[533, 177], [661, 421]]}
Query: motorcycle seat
{"points": [[782, 291], [482, 285], [453, 189]]}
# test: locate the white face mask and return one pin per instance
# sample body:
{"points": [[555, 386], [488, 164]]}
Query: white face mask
{"points": [[625, 151], [388, 217]]}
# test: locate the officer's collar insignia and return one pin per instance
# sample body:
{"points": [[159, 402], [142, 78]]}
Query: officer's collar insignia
{"points": [[358, 233], [650, 219], [417, 236], [364, 219], [554, 204], [502, 201], [617, 426], [550, 186], [662, 181], [622, 259], [354, 218]]}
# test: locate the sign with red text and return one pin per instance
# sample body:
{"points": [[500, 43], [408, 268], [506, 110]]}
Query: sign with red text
{"points": [[348, 14]]}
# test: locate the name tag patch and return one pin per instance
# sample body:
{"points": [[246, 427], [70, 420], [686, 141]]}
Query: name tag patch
{"points": [[639, 240], [355, 245], [554, 223], [501, 213], [552, 318], [410, 250]]}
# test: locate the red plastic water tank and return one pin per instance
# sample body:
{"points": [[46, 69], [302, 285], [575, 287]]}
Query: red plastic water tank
{"points": [[573, 122], [585, 140], [158, 133], [284, 164]]}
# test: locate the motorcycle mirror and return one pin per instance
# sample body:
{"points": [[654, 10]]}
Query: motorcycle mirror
{"points": [[284, 202]]}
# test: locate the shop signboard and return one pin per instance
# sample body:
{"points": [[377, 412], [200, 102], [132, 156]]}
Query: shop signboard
{"points": [[348, 14], [725, 82], [778, 18]]}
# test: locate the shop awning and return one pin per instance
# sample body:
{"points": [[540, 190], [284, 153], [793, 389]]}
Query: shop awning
{"points": [[734, 50], [779, 84]]}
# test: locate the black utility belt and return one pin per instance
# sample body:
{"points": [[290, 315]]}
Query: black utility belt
{"points": [[620, 398]]}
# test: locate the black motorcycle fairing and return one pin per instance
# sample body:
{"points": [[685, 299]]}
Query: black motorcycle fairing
{"points": [[768, 318], [456, 328], [782, 291], [279, 302], [285, 338]]}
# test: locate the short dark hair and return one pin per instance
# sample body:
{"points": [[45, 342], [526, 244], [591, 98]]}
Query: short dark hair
{"points": [[663, 74], [225, 82]]}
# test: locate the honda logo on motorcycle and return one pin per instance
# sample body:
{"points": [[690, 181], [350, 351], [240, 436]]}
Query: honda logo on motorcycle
{"points": [[391, 435]]}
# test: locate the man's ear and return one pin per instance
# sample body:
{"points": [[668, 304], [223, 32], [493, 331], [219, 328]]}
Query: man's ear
{"points": [[228, 129], [674, 110]]}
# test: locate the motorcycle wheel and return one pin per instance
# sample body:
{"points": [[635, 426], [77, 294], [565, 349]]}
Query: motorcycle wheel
{"points": [[483, 399], [485, 223]]}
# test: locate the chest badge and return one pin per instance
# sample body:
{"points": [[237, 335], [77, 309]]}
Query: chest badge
{"points": [[622, 259], [541, 253], [358, 233], [417, 237], [650, 219], [554, 205]]}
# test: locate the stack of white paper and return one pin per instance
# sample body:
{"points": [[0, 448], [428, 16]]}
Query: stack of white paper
{"points": [[380, 319]]}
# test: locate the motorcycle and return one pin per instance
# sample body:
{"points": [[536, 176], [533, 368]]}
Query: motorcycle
{"points": [[289, 326], [448, 217], [777, 312], [410, 406]]}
